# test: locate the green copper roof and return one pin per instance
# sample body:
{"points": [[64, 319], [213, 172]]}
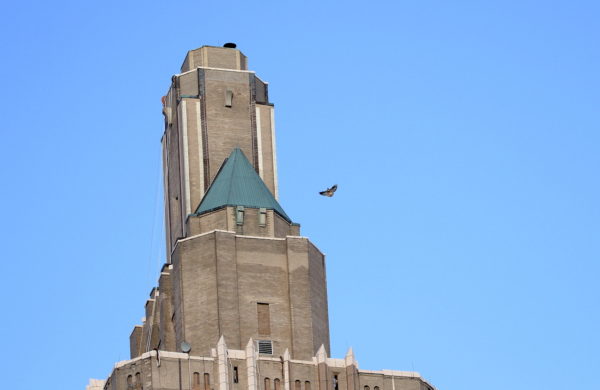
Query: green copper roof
{"points": [[238, 184]]}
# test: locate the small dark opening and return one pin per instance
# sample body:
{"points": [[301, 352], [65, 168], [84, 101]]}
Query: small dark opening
{"points": [[230, 45], [235, 375]]}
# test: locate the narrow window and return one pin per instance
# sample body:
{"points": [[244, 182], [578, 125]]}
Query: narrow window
{"points": [[264, 318], [277, 384], [335, 383], [367, 388], [262, 217], [376, 388], [196, 381], [129, 382], [267, 384], [138, 381], [228, 98], [206, 381], [235, 374], [298, 385], [307, 385], [239, 215]]}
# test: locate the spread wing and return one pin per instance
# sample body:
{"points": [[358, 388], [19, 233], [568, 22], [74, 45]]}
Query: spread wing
{"points": [[329, 192]]}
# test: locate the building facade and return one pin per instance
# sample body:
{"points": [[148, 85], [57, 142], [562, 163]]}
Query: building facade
{"points": [[241, 301]]}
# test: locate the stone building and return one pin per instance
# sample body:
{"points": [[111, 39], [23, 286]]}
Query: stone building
{"points": [[241, 302]]}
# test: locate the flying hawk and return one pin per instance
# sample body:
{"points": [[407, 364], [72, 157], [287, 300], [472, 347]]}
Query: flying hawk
{"points": [[329, 192]]}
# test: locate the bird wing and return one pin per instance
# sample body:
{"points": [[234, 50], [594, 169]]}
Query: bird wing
{"points": [[329, 192]]}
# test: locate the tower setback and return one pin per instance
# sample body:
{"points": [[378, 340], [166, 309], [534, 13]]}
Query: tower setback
{"points": [[241, 301]]}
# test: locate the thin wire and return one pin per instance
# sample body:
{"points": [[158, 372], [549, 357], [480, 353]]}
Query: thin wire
{"points": [[156, 191], [160, 249], [150, 328]]}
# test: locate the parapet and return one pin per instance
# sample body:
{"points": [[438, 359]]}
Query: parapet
{"points": [[95, 384], [229, 369]]}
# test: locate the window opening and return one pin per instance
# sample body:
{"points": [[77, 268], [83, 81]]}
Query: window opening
{"points": [[239, 215], [262, 217], [265, 347], [228, 98], [264, 318], [138, 381]]}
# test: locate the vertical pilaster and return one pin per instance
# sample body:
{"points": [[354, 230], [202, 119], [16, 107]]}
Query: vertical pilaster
{"points": [[251, 366], [351, 371], [259, 144], [273, 148], [223, 364], [322, 370], [184, 152], [286, 369]]}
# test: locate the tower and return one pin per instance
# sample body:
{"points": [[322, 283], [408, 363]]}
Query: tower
{"points": [[241, 301], [240, 267]]}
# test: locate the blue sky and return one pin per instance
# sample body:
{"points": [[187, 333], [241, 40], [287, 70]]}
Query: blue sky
{"points": [[463, 241]]}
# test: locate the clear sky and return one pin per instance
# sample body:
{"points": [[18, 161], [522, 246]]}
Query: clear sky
{"points": [[463, 241]]}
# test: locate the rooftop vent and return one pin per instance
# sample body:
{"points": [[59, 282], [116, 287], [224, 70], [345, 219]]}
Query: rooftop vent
{"points": [[230, 45], [265, 347]]}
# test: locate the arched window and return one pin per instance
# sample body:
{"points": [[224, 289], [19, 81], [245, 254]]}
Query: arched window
{"points": [[277, 384], [138, 381], [267, 384], [130, 381], [206, 381], [307, 385], [367, 388], [376, 388], [196, 381], [297, 385]]}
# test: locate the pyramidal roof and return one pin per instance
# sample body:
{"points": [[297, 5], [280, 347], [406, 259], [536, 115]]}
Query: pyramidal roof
{"points": [[238, 184]]}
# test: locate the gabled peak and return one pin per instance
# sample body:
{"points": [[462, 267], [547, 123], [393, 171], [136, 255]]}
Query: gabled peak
{"points": [[251, 347], [221, 342], [238, 184], [321, 354], [350, 353], [349, 359]]}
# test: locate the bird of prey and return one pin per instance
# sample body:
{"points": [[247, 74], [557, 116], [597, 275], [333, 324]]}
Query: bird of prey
{"points": [[329, 192]]}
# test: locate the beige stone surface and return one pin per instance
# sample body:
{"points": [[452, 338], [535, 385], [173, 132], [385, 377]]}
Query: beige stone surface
{"points": [[214, 57], [169, 370], [221, 276], [95, 384], [201, 131]]}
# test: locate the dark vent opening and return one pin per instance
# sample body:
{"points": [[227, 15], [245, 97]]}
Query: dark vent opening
{"points": [[265, 347]]}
